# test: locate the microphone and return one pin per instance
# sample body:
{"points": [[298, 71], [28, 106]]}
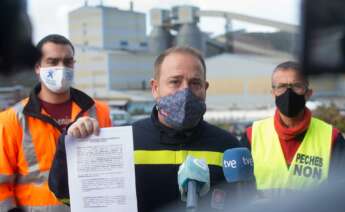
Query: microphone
{"points": [[238, 165], [238, 169], [193, 181]]}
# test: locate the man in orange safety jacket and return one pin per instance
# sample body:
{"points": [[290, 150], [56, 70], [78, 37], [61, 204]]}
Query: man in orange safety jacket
{"points": [[29, 130]]}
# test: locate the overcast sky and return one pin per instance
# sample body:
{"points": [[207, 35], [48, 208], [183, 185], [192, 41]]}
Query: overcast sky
{"points": [[50, 16]]}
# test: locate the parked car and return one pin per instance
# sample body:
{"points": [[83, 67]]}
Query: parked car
{"points": [[120, 117]]}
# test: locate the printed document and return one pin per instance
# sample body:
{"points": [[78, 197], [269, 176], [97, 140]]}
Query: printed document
{"points": [[101, 171]]}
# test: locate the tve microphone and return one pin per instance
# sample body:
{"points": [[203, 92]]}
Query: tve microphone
{"points": [[238, 170], [193, 180], [238, 165]]}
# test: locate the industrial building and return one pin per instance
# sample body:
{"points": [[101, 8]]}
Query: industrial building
{"points": [[106, 48], [240, 81], [115, 57], [179, 27]]}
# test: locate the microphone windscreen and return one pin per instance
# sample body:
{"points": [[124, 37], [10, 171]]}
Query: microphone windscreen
{"points": [[238, 165], [193, 169]]}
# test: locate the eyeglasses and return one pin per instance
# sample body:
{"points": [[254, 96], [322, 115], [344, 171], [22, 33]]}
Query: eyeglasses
{"points": [[299, 88]]}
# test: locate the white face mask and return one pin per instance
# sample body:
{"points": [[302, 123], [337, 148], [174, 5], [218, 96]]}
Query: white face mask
{"points": [[57, 79]]}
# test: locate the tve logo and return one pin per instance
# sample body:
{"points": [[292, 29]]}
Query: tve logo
{"points": [[247, 161], [230, 164]]}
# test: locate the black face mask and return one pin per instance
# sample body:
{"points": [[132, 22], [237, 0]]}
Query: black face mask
{"points": [[290, 103]]}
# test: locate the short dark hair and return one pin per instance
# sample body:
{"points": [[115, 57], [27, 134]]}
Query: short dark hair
{"points": [[178, 49], [54, 38], [291, 65]]}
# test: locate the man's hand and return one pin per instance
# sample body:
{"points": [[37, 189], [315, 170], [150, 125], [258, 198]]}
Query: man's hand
{"points": [[84, 127]]}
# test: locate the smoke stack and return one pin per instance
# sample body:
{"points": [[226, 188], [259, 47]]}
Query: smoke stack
{"points": [[131, 6]]}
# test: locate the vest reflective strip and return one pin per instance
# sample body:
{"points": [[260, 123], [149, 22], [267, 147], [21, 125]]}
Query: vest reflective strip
{"points": [[7, 204], [36, 177], [51, 208], [6, 178], [92, 112], [29, 151], [155, 157]]}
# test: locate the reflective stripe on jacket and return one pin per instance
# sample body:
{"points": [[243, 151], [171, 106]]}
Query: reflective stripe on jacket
{"points": [[28, 139]]}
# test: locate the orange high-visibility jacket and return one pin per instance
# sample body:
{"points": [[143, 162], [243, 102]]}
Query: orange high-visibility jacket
{"points": [[28, 139]]}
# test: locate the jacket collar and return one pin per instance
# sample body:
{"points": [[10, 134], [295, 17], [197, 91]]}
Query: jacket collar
{"points": [[34, 106]]}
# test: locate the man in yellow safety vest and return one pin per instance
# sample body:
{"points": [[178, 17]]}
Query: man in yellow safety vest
{"points": [[292, 149]]}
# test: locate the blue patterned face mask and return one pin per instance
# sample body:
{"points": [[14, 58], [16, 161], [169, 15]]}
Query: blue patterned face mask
{"points": [[182, 110]]}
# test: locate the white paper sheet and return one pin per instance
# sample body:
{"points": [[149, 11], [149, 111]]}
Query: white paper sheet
{"points": [[101, 171]]}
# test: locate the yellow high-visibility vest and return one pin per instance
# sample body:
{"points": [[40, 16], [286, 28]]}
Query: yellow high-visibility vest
{"points": [[309, 166]]}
